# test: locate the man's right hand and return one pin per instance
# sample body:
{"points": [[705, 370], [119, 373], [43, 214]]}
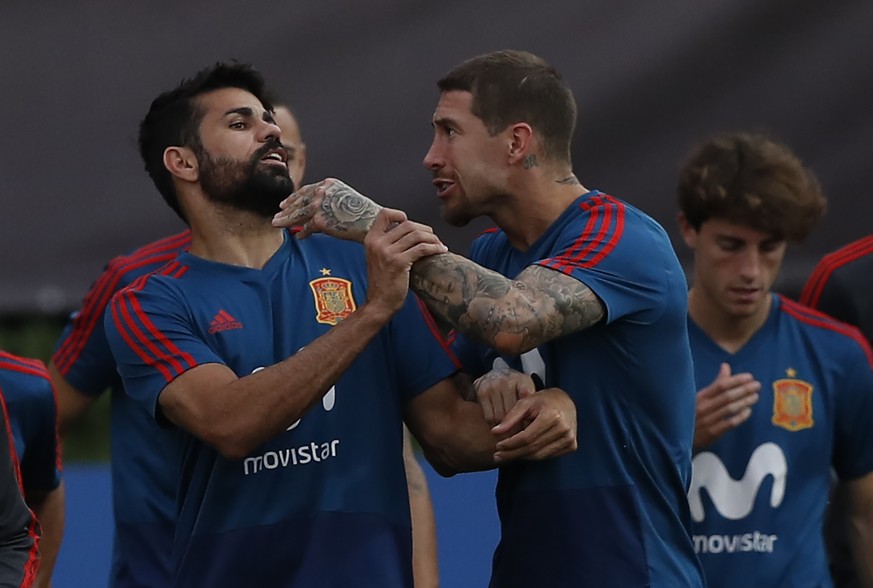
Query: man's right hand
{"points": [[724, 405], [392, 245]]}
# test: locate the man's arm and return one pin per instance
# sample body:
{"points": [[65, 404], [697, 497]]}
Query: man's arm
{"points": [[511, 316], [49, 510], [425, 567], [861, 526], [237, 414], [72, 404]]}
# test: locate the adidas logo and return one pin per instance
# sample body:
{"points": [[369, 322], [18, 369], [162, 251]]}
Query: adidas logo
{"points": [[223, 321]]}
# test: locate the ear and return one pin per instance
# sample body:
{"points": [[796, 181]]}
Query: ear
{"points": [[301, 157], [182, 163], [521, 141], [689, 233]]}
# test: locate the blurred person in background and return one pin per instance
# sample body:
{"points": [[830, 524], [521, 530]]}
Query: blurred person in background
{"points": [[785, 392], [841, 285], [30, 400], [19, 529]]}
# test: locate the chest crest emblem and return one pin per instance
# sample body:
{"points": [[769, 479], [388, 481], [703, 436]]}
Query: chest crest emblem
{"points": [[333, 299], [792, 404]]}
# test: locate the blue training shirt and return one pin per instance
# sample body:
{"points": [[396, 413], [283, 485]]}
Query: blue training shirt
{"points": [[613, 513], [325, 503], [144, 456], [33, 419], [758, 494]]}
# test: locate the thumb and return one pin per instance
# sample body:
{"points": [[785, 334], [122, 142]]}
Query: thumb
{"points": [[724, 371]]}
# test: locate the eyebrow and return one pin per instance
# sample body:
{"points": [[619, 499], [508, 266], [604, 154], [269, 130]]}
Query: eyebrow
{"points": [[250, 112], [242, 110], [443, 121]]}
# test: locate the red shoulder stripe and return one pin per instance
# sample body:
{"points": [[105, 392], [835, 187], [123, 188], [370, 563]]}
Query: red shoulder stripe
{"points": [[19, 363], [818, 319], [602, 244]]}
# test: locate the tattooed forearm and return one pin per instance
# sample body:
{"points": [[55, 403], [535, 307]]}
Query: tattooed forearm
{"points": [[512, 316], [348, 211]]}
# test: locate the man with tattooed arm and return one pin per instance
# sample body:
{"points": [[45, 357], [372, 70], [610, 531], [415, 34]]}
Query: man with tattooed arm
{"points": [[575, 286]]}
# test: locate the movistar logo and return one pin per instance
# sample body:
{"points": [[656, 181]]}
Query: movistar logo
{"points": [[734, 499]]}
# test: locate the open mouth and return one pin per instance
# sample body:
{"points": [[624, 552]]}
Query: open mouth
{"points": [[442, 186], [276, 156]]}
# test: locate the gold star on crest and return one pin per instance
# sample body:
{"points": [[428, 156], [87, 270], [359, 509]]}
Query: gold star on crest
{"points": [[325, 271], [791, 372]]}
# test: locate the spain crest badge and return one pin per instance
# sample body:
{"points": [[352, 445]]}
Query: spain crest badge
{"points": [[792, 404], [333, 299]]}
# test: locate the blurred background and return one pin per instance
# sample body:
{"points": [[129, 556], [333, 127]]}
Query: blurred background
{"points": [[651, 79]]}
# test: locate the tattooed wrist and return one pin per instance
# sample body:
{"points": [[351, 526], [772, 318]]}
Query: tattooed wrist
{"points": [[348, 211]]}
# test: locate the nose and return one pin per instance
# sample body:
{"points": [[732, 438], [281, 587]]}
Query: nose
{"points": [[433, 159], [750, 265], [269, 130]]}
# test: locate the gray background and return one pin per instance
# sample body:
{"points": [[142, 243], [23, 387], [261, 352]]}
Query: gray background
{"points": [[651, 79]]}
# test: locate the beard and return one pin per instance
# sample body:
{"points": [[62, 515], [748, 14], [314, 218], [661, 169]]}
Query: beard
{"points": [[245, 185]]}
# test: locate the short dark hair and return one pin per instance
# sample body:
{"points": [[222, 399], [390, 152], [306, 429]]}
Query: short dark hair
{"points": [[174, 118], [750, 179], [516, 86]]}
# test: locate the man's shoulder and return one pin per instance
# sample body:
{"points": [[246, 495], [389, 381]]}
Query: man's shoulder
{"points": [[22, 377], [126, 268], [831, 335]]}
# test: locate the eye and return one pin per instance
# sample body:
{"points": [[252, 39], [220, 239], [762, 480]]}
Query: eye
{"points": [[238, 125], [729, 245]]}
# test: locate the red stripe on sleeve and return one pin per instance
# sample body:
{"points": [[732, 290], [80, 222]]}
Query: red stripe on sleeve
{"points": [[124, 323]]}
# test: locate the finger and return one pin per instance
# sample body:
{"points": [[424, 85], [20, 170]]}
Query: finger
{"points": [[405, 238], [526, 388], [510, 420], [487, 406], [554, 448], [387, 218]]}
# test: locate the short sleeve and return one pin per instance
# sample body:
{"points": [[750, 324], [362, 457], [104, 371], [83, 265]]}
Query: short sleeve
{"points": [[152, 339]]}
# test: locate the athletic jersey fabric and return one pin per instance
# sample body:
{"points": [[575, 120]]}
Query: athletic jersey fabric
{"points": [[144, 468], [840, 287], [30, 400], [325, 503], [613, 513], [19, 556], [758, 494]]}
